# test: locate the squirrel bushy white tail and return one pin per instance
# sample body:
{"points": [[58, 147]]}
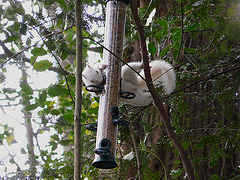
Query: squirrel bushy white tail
{"points": [[161, 71]]}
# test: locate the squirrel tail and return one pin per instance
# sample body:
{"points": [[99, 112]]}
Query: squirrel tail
{"points": [[162, 73]]}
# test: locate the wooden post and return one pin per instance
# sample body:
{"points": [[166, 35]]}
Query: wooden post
{"points": [[106, 131]]}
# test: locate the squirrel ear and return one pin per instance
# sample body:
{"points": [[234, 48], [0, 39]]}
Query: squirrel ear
{"points": [[89, 66], [103, 67]]}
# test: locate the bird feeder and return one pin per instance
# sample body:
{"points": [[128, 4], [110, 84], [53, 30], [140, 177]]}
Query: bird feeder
{"points": [[107, 124]]}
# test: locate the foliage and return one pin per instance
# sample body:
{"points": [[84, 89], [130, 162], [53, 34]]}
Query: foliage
{"points": [[201, 38]]}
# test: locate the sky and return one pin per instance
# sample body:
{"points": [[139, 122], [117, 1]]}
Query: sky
{"points": [[13, 117]]}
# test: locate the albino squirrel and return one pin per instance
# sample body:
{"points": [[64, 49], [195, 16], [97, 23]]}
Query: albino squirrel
{"points": [[161, 71]]}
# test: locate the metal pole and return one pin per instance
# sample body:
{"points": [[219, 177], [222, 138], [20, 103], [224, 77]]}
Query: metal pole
{"points": [[106, 140]]}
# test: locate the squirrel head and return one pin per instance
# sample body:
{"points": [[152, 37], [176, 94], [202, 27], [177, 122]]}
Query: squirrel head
{"points": [[93, 75]]}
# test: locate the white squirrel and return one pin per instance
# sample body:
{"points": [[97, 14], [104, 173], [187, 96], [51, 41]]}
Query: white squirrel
{"points": [[93, 75], [162, 73]]}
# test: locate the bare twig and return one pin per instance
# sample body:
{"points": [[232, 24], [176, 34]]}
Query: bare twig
{"points": [[58, 62], [204, 79], [12, 157], [11, 55], [116, 57]]}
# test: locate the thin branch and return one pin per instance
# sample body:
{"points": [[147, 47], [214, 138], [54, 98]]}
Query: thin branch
{"points": [[78, 104], [4, 112], [39, 148], [58, 62], [149, 4], [164, 167], [179, 50], [12, 157], [136, 152], [11, 55], [58, 32], [157, 100], [203, 79], [116, 57]]}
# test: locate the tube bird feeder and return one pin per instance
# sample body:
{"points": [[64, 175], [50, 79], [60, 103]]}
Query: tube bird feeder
{"points": [[107, 130]]}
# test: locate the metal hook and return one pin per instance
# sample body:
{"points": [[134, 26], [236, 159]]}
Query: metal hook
{"points": [[115, 120]]}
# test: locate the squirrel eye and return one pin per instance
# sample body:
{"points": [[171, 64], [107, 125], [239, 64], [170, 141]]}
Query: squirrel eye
{"points": [[97, 72]]}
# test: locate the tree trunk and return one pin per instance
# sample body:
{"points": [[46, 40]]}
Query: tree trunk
{"points": [[29, 128], [78, 103], [195, 124]]}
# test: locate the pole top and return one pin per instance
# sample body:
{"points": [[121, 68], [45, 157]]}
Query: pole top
{"points": [[124, 1]]}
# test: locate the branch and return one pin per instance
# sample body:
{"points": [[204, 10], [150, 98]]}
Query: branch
{"points": [[6, 50], [39, 148], [12, 157], [12, 55], [181, 43], [58, 62], [163, 166], [136, 152], [116, 57], [78, 96], [203, 79], [157, 101]]}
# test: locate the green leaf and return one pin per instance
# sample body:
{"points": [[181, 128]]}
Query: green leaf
{"points": [[146, 126], [176, 173], [57, 90], [10, 139], [33, 59], [64, 54], [12, 38], [189, 50], [9, 90], [38, 52], [54, 146], [142, 145], [152, 48], [183, 107], [185, 145], [55, 137], [26, 88], [192, 27], [55, 112], [205, 141], [71, 79], [86, 103], [62, 3], [162, 33], [68, 117], [65, 142], [42, 98], [93, 110], [211, 23], [177, 162], [23, 29], [164, 51], [42, 65], [162, 23], [31, 107], [23, 151]]}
